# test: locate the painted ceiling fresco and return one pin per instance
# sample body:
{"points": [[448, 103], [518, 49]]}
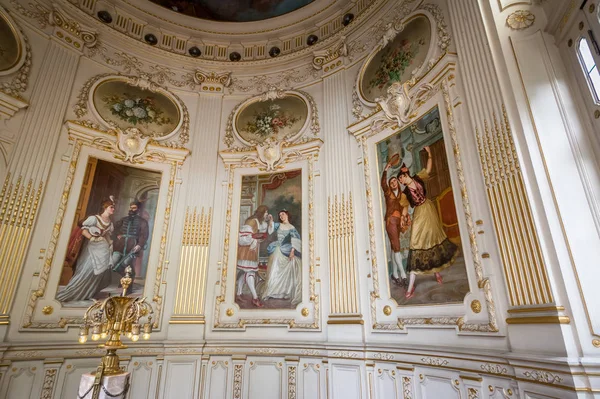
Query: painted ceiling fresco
{"points": [[233, 10]]}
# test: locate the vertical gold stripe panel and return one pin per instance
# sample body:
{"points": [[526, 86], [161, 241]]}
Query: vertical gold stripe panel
{"points": [[524, 267], [19, 207], [342, 258], [191, 290]]}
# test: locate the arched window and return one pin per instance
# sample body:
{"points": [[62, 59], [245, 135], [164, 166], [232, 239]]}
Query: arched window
{"points": [[590, 67]]}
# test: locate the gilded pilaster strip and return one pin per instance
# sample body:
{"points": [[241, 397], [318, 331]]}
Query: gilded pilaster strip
{"points": [[189, 300], [342, 257], [520, 250], [18, 208]]}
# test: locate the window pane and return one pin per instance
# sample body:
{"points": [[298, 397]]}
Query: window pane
{"points": [[586, 55], [595, 80]]}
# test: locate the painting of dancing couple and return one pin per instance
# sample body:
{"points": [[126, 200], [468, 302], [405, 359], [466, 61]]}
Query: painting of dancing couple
{"points": [[269, 251], [423, 244], [111, 232]]}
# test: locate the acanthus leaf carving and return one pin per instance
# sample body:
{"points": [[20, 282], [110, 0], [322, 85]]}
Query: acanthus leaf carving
{"points": [[400, 106]]}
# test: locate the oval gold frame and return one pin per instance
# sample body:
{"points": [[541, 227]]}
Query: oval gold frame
{"points": [[420, 70], [20, 43], [159, 90], [289, 138]]}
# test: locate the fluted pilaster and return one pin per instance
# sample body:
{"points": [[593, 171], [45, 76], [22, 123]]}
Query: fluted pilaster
{"points": [[29, 165]]}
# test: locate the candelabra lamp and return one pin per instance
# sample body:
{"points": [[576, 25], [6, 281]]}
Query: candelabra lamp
{"points": [[110, 319]]}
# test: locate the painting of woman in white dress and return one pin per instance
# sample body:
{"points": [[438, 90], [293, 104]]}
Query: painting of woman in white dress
{"points": [[122, 224], [92, 272], [284, 269]]}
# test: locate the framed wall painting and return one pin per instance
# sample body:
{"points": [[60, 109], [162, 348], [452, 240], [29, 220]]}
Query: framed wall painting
{"points": [[423, 244], [120, 205], [424, 157], [268, 256], [269, 248], [112, 229]]}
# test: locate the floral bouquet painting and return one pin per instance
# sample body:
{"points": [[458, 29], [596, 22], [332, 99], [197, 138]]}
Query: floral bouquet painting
{"points": [[394, 62], [270, 121], [135, 110]]}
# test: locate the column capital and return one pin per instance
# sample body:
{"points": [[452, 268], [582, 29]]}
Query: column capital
{"points": [[332, 58]]}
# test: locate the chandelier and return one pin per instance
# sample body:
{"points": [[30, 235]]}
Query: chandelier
{"points": [[113, 317]]}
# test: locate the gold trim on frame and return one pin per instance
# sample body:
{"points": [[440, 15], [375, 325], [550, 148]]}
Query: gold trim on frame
{"points": [[80, 136], [539, 320], [443, 85], [308, 153]]}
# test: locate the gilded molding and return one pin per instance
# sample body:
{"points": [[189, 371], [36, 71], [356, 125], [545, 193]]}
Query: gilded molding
{"points": [[195, 245], [483, 283], [472, 393], [19, 83], [292, 382], [80, 137], [271, 94], [72, 29], [434, 361], [345, 354], [323, 57], [494, 369], [520, 19], [310, 155], [520, 250], [237, 380], [144, 81], [407, 387], [48, 384], [343, 288], [543, 376], [18, 208]]}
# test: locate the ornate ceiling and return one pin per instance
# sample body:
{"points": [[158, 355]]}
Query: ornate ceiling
{"points": [[233, 10]]}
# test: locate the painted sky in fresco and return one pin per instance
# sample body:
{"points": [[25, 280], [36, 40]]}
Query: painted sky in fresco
{"points": [[233, 10]]}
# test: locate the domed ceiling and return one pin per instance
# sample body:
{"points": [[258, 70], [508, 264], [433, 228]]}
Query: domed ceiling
{"points": [[233, 10]]}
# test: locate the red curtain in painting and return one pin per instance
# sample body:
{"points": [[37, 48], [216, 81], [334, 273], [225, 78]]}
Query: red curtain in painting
{"points": [[278, 180]]}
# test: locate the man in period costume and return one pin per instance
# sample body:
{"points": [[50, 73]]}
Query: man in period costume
{"points": [[252, 233], [129, 238], [393, 226]]}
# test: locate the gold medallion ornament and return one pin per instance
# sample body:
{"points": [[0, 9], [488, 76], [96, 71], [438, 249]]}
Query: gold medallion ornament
{"points": [[305, 312], [47, 310], [521, 19], [229, 312], [476, 306], [387, 310]]}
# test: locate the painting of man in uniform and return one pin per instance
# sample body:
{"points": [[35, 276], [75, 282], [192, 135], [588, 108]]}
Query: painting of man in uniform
{"points": [[269, 254], [421, 226], [111, 231]]}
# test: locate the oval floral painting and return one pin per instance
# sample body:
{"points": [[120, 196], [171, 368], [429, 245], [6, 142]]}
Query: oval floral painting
{"points": [[10, 48], [130, 106], [279, 119], [397, 60]]}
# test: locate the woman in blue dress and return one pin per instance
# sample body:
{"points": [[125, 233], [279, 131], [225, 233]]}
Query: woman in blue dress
{"points": [[284, 270]]}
